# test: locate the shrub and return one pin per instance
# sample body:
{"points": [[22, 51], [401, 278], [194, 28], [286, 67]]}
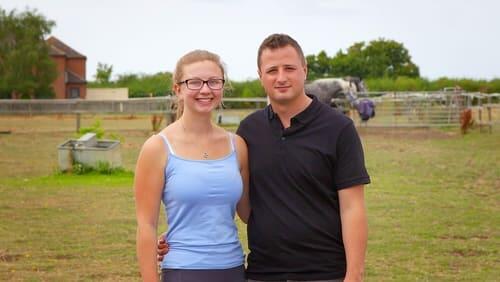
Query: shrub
{"points": [[101, 168]]}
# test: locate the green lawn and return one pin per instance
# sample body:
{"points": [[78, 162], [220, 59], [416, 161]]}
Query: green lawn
{"points": [[433, 206]]}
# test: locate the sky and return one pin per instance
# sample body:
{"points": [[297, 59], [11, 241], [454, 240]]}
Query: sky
{"points": [[453, 38]]}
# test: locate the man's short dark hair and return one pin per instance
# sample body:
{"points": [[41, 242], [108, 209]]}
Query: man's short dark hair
{"points": [[279, 40]]}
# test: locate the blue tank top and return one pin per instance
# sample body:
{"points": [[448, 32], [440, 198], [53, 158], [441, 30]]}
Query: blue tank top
{"points": [[200, 198]]}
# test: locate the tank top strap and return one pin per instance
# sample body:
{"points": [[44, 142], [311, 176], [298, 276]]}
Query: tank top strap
{"points": [[232, 141], [170, 150]]}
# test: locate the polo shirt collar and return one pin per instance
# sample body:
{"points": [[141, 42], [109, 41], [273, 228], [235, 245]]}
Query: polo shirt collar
{"points": [[270, 113], [303, 117], [308, 113]]}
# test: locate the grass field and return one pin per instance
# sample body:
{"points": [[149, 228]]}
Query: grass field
{"points": [[433, 205]]}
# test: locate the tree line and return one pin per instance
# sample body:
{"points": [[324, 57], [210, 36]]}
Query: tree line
{"points": [[27, 71], [160, 84]]}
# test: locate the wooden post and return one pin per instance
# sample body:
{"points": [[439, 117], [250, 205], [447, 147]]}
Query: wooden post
{"points": [[78, 117], [480, 115], [490, 124]]}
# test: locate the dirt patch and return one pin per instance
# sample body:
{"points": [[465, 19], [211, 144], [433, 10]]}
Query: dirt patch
{"points": [[461, 237], [64, 257], [5, 257], [453, 237], [467, 253], [480, 237]]}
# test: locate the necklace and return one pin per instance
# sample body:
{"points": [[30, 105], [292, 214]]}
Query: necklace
{"points": [[205, 153]]}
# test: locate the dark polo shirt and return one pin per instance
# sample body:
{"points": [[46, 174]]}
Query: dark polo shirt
{"points": [[294, 230]]}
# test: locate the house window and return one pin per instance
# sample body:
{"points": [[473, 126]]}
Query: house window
{"points": [[74, 92]]}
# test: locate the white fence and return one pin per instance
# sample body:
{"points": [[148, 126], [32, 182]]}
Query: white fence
{"points": [[75, 106], [393, 109], [429, 109]]}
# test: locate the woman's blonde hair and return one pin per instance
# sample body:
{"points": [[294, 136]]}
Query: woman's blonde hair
{"points": [[189, 58]]}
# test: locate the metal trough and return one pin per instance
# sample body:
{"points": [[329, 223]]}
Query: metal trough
{"points": [[89, 151]]}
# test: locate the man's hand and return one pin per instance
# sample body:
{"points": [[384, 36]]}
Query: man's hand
{"points": [[162, 247]]}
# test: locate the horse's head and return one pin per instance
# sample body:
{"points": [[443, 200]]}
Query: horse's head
{"points": [[361, 86], [356, 83]]}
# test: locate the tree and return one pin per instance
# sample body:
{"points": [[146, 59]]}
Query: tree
{"points": [[351, 63], [379, 58], [26, 69], [318, 66], [139, 85], [103, 73], [389, 58]]}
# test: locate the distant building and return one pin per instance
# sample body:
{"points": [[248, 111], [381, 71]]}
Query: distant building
{"points": [[70, 82], [107, 94]]}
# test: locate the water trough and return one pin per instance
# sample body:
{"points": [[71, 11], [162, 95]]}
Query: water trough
{"points": [[90, 151]]}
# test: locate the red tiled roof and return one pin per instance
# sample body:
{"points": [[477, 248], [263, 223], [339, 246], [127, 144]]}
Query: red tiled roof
{"points": [[54, 51], [59, 48]]}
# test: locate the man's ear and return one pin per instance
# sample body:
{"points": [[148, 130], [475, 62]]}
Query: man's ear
{"points": [[260, 77]]}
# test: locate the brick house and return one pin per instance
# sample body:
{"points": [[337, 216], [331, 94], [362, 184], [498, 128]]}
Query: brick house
{"points": [[70, 81]]}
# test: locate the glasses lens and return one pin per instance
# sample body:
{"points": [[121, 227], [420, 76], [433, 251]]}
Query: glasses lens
{"points": [[215, 84], [194, 84]]}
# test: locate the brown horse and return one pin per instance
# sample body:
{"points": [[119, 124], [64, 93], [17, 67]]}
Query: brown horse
{"points": [[466, 120]]}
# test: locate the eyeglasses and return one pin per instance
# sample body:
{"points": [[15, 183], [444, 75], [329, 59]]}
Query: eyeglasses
{"points": [[197, 84]]}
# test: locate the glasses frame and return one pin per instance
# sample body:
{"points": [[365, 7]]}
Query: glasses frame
{"points": [[203, 82]]}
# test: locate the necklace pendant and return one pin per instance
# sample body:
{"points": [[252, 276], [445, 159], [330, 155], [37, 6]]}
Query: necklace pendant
{"points": [[205, 155]]}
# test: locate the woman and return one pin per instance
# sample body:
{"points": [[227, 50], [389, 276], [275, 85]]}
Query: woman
{"points": [[200, 172]]}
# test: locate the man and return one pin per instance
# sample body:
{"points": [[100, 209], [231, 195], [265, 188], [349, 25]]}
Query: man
{"points": [[308, 220]]}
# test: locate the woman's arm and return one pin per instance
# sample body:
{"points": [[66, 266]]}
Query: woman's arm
{"points": [[148, 186], [243, 207]]}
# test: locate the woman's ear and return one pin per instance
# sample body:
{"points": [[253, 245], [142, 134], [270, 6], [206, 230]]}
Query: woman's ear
{"points": [[177, 90]]}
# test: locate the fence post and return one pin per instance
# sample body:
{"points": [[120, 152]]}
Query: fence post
{"points": [[78, 116], [490, 123], [480, 114]]}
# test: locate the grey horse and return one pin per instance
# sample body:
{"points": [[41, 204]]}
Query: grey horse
{"points": [[329, 89]]}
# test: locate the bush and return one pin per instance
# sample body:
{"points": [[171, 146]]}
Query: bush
{"points": [[99, 131], [101, 168], [94, 128], [403, 83]]}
